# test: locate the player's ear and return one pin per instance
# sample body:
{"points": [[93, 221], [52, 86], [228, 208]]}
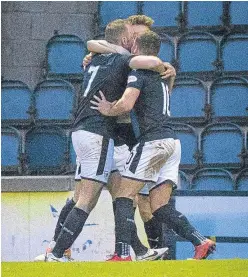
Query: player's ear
{"points": [[124, 41]]}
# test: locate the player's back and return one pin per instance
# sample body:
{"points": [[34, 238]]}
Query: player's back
{"points": [[108, 73], [153, 105]]}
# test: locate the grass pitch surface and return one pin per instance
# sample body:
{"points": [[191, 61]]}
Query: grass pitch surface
{"points": [[191, 268]]}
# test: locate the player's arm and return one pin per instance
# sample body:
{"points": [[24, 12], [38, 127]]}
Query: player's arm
{"points": [[169, 74], [121, 106], [104, 47], [147, 62]]}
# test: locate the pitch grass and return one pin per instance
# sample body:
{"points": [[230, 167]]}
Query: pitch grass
{"points": [[207, 268]]}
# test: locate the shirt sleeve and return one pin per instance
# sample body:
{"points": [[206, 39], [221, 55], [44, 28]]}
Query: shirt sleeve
{"points": [[135, 79]]}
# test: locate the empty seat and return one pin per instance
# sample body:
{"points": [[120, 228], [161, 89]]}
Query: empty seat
{"points": [[167, 49], [183, 181], [11, 148], [111, 10], [204, 13], [54, 100], [188, 98], [163, 13], [65, 55], [242, 180], [229, 97], [213, 179], [72, 155], [188, 138], [221, 145], [239, 12], [235, 52], [45, 148], [197, 52], [16, 100]]}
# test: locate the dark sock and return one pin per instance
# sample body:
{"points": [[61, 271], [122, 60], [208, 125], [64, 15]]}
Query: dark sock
{"points": [[71, 229], [154, 233], [179, 223], [124, 224], [62, 216], [138, 248]]}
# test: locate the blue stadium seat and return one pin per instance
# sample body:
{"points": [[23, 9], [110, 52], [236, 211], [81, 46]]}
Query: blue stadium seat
{"points": [[45, 148], [235, 52], [229, 97], [183, 181], [111, 10], [188, 98], [213, 179], [65, 55], [16, 100], [221, 145], [54, 100], [188, 138], [204, 13], [163, 13], [239, 12], [197, 52], [242, 180], [11, 148], [167, 49]]}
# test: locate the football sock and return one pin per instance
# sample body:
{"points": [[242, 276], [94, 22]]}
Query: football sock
{"points": [[62, 216], [138, 248], [154, 232], [179, 223], [124, 225], [71, 229]]}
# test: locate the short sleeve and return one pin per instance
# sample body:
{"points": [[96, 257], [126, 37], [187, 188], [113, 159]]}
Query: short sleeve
{"points": [[135, 79]]}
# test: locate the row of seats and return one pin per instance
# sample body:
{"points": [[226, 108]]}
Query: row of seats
{"points": [[173, 13], [217, 145], [192, 100], [65, 53], [216, 179]]}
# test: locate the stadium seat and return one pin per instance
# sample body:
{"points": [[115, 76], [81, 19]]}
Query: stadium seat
{"points": [[183, 181], [54, 100], [163, 13], [229, 97], [11, 148], [242, 180], [235, 52], [45, 148], [221, 145], [188, 99], [239, 12], [167, 52], [188, 138], [197, 52], [65, 55], [111, 10], [72, 155], [205, 13], [213, 179], [16, 101]]}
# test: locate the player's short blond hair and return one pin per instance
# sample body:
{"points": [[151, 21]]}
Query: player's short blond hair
{"points": [[149, 43], [139, 19], [114, 30]]}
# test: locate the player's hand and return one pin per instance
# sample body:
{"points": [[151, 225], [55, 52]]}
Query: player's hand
{"points": [[169, 71], [101, 104], [87, 60]]}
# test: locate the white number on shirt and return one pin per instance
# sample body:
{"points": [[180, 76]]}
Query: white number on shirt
{"points": [[166, 103], [93, 70]]}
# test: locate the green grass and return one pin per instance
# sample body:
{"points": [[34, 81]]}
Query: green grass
{"points": [[192, 268]]}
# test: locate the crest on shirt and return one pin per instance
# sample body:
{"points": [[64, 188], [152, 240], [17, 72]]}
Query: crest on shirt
{"points": [[131, 79]]}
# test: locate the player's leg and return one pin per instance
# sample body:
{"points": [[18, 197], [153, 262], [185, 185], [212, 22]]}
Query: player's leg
{"points": [[95, 154], [165, 212], [143, 165], [152, 226], [121, 154]]}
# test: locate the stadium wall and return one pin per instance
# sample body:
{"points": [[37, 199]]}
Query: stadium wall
{"points": [[28, 25]]}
